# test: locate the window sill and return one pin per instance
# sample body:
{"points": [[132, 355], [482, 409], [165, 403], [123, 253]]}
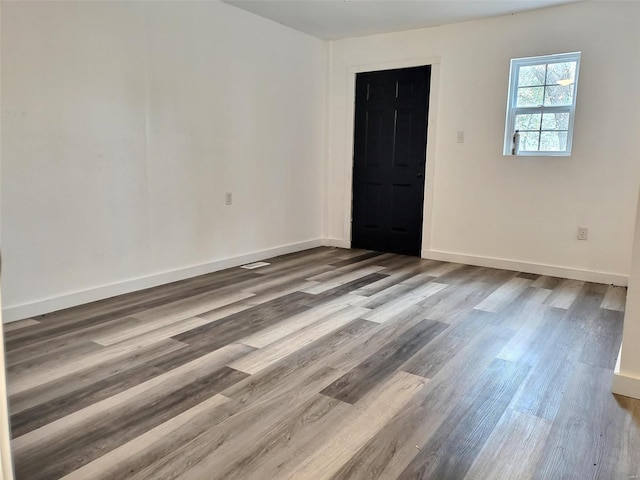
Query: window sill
{"points": [[538, 154]]}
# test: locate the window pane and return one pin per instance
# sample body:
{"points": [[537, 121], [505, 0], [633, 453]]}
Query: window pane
{"points": [[555, 121], [532, 75], [541, 102], [553, 141], [529, 141], [529, 121], [558, 95], [565, 72], [530, 96]]}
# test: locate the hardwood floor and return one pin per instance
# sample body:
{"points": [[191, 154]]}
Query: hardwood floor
{"points": [[328, 364]]}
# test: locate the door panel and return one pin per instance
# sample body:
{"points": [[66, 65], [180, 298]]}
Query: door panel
{"points": [[390, 138], [373, 197], [403, 130]]}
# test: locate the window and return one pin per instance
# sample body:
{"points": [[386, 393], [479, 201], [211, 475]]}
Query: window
{"points": [[542, 102]]}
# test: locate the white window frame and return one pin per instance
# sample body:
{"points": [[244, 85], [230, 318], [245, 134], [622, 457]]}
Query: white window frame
{"points": [[512, 110]]}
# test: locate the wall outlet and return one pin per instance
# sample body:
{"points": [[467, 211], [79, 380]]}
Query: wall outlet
{"points": [[460, 136], [228, 198], [583, 233]]}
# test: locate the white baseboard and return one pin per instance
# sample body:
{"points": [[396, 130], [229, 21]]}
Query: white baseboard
{"points": [[39, 307], [623, 384], [539, 269], [337, 242]]}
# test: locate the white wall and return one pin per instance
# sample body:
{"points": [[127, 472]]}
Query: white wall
{"points": [[124, 124], [627, 375], [6, 462], [487, 206]]}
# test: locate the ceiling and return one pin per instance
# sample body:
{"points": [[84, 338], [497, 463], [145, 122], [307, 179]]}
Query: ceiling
{"points": [[334, 19]]}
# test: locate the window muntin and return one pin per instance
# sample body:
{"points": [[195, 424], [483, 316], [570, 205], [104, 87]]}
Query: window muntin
{"points": [[541, 105]]}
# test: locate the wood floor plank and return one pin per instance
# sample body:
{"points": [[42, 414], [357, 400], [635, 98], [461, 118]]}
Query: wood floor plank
{"points": [[100, 389], [461, 372], [242, 463], [255, 420], [338, 280], [435, 270], [245, 323], [175, 312], [529, 276], [13, 326], [463, 274], [451, 304], [288, 447], [297, 322], [51, 390], [542, 393], [426, 290], [584, 437], [345, 288], [158, 385], [368, 343], [375, 412], [615, 298], [544, 281], [312, 361], [584, 310], [398, 263], [279, 283], [602, 346], [65, 343], [453, 448], [76, 348], [44, 413], [278, 292], [529, 343], [384, 261], [503, 456], [391, 450], [400, 304], [261, 359], [524, 310], [52, 326], [358, 259], [432, 357], [352, 386], [287, 264], [503, 295], [393, 278], [49, 372], [142, 451], [388, 294], [565, 294], [188, 307], [153, 335], [287, 441], [626, 462], [103, 435]]}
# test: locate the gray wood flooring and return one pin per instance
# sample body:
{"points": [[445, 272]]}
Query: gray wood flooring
{"points": [[328, 364]]}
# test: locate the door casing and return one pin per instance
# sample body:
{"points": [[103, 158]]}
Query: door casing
{"points": [[427, 214]]}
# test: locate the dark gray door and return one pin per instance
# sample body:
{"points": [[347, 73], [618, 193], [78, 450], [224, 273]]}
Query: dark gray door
{"points": [[390, 142]]}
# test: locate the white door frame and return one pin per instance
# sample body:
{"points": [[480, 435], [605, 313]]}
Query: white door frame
{"points": [[6, 463]]}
